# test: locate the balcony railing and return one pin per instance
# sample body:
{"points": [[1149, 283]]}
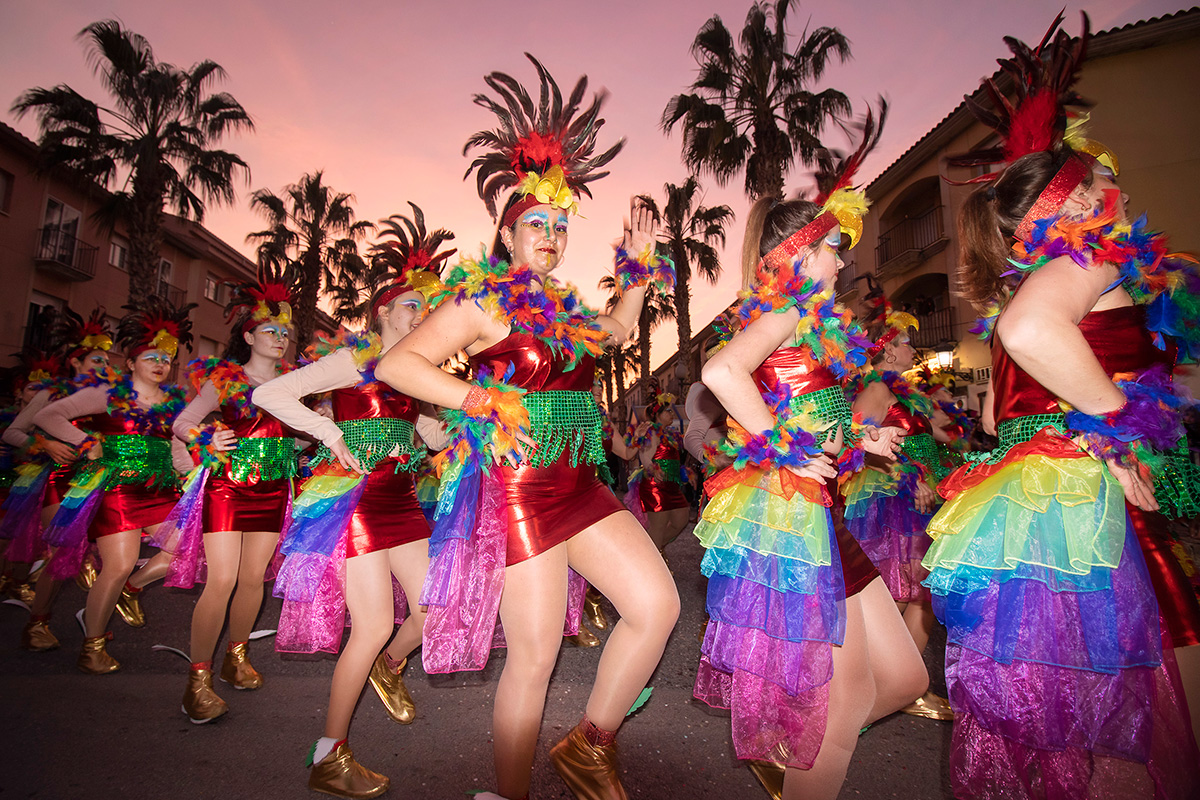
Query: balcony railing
{"points": [[172, 294], [845, 279], [935, 329], [64, 254], [910, 242]]}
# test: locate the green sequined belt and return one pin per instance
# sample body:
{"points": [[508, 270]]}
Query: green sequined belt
{"points": [[267, 458], [670, 468], [133, 458], [829, 405], [375, 440], [1015, 431], [562, 420], [922, 448]]}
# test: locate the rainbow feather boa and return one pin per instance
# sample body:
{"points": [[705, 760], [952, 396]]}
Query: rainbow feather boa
{"points": [[546, 309], [907, 395], [789, 444], [1168, 284], [1147, 425], [826, 327], [230, 380], [650, 267], [155, 421]]}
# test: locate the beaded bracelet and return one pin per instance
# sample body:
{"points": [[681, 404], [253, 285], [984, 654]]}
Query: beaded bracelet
{"points": [[1149, 423], [651, 267]]}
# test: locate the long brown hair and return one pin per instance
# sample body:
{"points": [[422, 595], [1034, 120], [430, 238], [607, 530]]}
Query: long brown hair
{"points": [[990, 216], [770, 222]]}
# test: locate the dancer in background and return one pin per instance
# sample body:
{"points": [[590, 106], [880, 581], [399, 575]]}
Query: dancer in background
{"points": [[512, 533], [86, 345], [357, 523], [1035, 567], [237, 499], [657, 486], [804, 644], [128, 485], [888, 506]]}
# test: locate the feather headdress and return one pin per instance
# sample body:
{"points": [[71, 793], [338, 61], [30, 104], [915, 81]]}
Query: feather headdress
{"points": [[76, 337], [842, 206], [892, 322], [35, 366], [410, 260], [155, 325], [1040, 116], [266, 300], [546, 152]]}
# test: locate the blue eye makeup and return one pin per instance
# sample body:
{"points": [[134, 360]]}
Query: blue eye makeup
{"points": [[278, 333], [156, 358]]}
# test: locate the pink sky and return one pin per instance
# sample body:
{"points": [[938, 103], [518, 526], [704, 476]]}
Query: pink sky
{"points": [[378, 93]]}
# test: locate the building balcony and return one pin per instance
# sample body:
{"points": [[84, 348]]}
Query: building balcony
{"points": [[935, 328], [910, 242], [64, 255], [172, 294]]}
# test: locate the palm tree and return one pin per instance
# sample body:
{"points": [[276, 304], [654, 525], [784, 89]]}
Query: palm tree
{"points": [[692, 235], [312, 227], [751, 105], [159, 133]]}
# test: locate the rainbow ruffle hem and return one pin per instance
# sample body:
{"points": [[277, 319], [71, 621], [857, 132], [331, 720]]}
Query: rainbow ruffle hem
{"points": [[312, 577], [1054, 662], [21, 522], [881, 516], [67, 532], [776, 599]]}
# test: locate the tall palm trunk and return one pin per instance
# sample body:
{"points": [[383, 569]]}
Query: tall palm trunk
{"points": [[683, 320]]}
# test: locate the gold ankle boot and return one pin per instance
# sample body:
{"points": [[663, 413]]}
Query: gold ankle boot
{"points": [[930, 706], [94, 658], [130, 607], [20, 591], [770, 775], [592, 610], [87, 575], [589, 770], [340, 775], [584, 638], [391, 690], [37, 636], [237, 670], [200, 702]]}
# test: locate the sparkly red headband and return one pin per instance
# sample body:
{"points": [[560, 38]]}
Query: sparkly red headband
{"points": [[518, 208], [1054, 195], [792, 247], [389, 295], [877, 348]]}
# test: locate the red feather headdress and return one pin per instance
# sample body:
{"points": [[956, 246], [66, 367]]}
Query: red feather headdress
{"points": [[266, 300], [77, 337], [544, 152], [410, 261], [155, 325]]}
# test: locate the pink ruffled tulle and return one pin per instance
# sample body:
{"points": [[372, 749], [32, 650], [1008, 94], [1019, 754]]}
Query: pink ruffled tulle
{"points": [[68, 533], [318, 622], [892, 534], [182, 532], [466, 578], [989, 765], [768, 723]]}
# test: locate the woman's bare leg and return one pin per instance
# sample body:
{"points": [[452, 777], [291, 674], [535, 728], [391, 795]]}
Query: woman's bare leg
{"points": [[118, 555], [897, 669], [532, 609], [617, 557], [258, 548], [372, 615], [409, 563], [919, 619], [222, 551]]}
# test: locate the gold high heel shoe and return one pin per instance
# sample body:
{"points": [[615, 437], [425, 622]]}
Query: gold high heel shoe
{"points": [[589, 770], [237, 670], [94, 658], [930, 706], [391, 690], [584, 638], [770, 775], [200, 702], [130, 607], [340, 775], [37, 636], [592, 610]]}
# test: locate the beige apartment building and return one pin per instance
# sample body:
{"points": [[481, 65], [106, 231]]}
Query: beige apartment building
{"points": [[1142, 81], [52, 253]]}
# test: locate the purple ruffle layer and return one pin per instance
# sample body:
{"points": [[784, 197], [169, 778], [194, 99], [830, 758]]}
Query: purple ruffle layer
{"points": [[892, 534]]}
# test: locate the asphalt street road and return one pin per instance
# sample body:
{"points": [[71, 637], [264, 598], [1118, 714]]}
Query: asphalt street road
{"points": [[69, 735]]}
